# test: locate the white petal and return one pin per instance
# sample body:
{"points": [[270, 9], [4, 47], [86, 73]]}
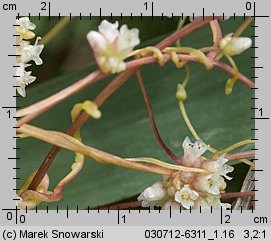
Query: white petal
{"points": [[32, 52], [29, 79], [153, 195], [186, 197], [97, 41], [24, 78], [234, 45], [194, 195], [240, 44], [109, 30], [193, 151], [25, 23], [188, 203], [127, 40], [218, 166], [209, 183], [21, 90]]}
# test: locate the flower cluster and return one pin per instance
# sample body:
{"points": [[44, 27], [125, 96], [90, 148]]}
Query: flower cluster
{"points": [[190, 189], [25, 52], [111, 46]]}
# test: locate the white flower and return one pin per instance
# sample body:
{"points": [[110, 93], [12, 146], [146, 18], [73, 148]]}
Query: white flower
{"points": [[153, 195], [23, 78], [111, 46], [25, 23], [31, 52], [218, 166], [186, 197], [24, 28], [234, 45], [192, 151], [210, 183]]}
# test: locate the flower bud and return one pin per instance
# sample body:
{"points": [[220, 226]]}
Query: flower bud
{"points": [[234, 45], [152, 196], [181, 94]]}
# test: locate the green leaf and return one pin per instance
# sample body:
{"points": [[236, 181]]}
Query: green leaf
{"points": [[125, 130]]}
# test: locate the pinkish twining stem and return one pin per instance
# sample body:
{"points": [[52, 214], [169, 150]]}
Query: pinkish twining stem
{"points": [[151, 116], [241, 155], [54, 99], [40, 107], [217, 36], [231, 195]]}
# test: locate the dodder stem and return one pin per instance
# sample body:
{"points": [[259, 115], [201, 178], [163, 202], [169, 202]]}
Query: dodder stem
{"points": [[154, 126]]}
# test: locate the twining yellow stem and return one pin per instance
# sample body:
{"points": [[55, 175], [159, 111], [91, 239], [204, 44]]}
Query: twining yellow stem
{"points": [[190, 126], [243, 26], [216, 32], [67, 142], [187, 76], [22, 136], [33, 198], [179, 26], [231, 81], [196, 136], [173, 53], [166, 165], [55, 30], [208, 49], [234, 146], [216, 153], [90, 108], [191, 51], [187, 121], [70, 143], [144, 51]]}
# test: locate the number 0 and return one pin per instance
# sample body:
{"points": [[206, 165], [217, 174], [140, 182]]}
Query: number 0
{"points": [[248, 5]]}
